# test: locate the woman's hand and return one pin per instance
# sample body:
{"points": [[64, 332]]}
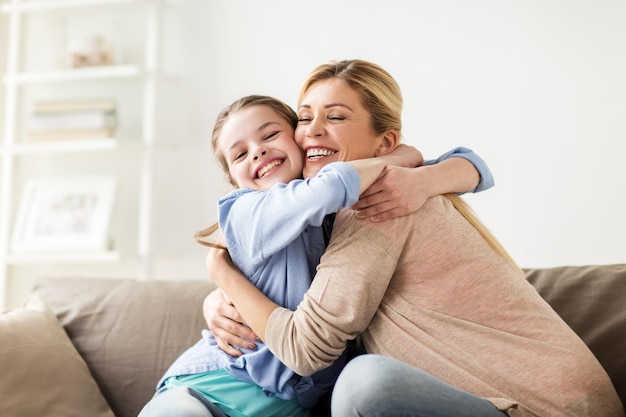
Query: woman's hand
{"points": [[221, 316], [402, 191], [226, 324], [398, 192]]}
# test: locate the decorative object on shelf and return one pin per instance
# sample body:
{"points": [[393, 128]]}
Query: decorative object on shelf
{"points": [[72, 119], [64, 214], [92, 41]]}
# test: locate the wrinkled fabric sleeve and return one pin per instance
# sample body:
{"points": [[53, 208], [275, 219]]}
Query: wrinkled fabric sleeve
{"points": [[281, 213], [486, 177]]}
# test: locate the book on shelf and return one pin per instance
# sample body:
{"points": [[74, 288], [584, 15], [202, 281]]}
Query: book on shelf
{"points": [[71, 119], [73, 105], [75, 134]]}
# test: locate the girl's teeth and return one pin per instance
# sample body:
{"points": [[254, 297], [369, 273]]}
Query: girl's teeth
{"points": [[268, 167]]}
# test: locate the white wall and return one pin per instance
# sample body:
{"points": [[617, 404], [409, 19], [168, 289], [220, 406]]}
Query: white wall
{"points": [[536, 87]]}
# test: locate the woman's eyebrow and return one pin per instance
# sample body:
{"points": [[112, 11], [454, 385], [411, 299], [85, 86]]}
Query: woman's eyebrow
{"points": [[327, 106]]}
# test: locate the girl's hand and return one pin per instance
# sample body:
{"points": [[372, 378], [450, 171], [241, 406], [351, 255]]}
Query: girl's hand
{"points": [[226, 324], [398, 192], [407, 156]]}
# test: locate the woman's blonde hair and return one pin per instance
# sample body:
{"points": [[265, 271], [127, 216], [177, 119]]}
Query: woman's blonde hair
{"points": [[281, 109], [380, 94]]}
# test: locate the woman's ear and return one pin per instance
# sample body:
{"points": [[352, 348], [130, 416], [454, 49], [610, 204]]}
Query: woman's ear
{"points": [[388, 143]]}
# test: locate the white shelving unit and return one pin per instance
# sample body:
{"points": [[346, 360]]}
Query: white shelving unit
{"points": [[14, 149]]}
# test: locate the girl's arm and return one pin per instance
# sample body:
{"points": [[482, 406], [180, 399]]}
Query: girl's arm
{"points": [[401, 191], [282, 213]]}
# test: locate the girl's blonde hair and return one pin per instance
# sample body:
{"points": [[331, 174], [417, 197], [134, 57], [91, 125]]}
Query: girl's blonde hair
{"points": [[281, 109], [380, 94]]}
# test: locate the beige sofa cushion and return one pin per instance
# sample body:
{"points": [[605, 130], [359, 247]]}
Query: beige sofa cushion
{"points": [[42, 373], [127, 331], [592, 300]]}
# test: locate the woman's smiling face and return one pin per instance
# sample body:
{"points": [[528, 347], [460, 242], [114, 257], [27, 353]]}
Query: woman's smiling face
{"points": [[333, 125], [259, 147]]}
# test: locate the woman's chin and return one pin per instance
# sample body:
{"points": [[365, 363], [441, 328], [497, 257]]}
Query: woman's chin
{"points": [[311, 171], [311, 168]]}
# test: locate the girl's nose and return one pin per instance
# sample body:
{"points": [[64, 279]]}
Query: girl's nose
{"points": [[259, 153]]}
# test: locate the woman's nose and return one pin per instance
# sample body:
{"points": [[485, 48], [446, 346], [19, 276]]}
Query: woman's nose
{"points": [[315, 127]]}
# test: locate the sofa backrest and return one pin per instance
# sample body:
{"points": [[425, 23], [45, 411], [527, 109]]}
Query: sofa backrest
{"points": [[592, 301], [129, 332]]}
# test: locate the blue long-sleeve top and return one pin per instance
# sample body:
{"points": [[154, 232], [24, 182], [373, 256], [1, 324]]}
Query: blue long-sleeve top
{"points": [[276, 239], [486, 178]]}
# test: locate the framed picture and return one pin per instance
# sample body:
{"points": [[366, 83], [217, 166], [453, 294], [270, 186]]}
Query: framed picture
{"points": [[64, 214]]}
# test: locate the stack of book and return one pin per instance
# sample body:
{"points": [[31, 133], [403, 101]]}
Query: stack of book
{"points": [[72, 119]]}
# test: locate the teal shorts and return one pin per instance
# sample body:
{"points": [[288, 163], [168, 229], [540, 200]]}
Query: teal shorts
{"points": [[238, 398]]}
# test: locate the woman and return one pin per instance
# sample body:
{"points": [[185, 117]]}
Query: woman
{"points": [[433, 290]]}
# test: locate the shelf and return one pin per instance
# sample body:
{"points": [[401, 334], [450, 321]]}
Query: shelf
{"points": [[65, 146], [133, 83], [79, 74], [62, 257], [46, 5]]}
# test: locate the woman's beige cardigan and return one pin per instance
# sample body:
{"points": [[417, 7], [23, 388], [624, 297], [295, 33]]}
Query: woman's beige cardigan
{"points": [[427, 289]]}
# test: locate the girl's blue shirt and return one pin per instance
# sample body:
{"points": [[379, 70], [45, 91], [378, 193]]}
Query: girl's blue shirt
{"points": [[276, 238]]}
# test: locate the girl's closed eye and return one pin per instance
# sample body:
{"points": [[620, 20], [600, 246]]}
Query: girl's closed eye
{"points": [[272, 135], [239, 155]]}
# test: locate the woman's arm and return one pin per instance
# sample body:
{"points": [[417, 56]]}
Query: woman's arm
{"points": [[401, 191], [344, 296], [249, 301]]}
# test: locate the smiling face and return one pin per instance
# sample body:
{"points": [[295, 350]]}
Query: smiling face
{"points": [[259, 148], [333, 125]]}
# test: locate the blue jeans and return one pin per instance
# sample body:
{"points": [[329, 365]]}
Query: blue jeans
{"points": [[378, 386]]}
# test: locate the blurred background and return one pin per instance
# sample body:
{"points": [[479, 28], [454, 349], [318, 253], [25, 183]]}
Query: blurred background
{"points": [[536, 88]]}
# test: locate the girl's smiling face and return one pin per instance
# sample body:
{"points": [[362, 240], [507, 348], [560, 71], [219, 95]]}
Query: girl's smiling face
{"points": [[259, 148], [333, 125]]}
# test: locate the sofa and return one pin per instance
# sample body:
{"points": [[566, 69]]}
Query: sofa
{"points": [[96, 347]]}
